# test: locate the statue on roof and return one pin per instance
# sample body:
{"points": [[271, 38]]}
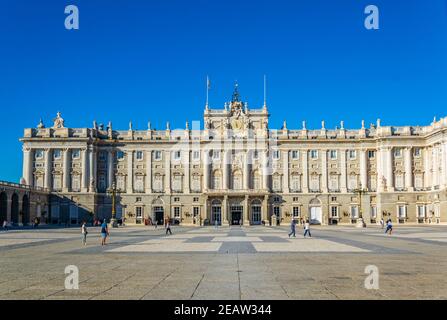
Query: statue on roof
{"points": [[58, 121]]}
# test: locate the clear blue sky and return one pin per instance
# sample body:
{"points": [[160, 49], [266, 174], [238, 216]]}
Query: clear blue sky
{"points": [[148, 60]]}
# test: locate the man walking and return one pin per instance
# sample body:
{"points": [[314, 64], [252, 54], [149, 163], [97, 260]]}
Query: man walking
{"points": [[382, 223], [5, 225], [389, 227], [292, 228], [307, 229], [104, 233], [84, 233], [168, 227]]}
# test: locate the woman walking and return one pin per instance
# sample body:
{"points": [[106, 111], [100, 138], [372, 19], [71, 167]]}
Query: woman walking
{"points": [[307, 229], [84, 233]]}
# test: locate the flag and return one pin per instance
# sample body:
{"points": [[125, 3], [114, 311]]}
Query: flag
{"points": [[208, 83]]}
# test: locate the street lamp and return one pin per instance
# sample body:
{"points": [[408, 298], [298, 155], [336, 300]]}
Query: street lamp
{"points": [[113, 192], [360, 191]]}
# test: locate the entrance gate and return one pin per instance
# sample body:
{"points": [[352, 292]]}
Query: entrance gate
{"points": [[236, 215]]}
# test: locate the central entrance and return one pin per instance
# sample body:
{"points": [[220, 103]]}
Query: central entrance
{"points": [[159, 215], [236, 215]]}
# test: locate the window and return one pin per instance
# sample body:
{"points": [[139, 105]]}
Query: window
{"points": [[237, 181], [354, 212], [276, 199], [313, 154], [216, 182], [38, 154], [177, 183], [417, 152], [57, 154], [371, 154], [140, 155], [102, 183], [76, 183], [277, 211], [102, 156], [276, 185], [255, 154], [121, 183], [296, 212], [120, 155], [158, 183], [373, 212], [216, 154], [139, 212], [333, 154], [418, 181], [333, 182], [157, 155], [352, 154], [138, 199], [195, 199], [196, 211], [315, 183], [57, 183], [353, 182], [139, 183], [196, 155], [177, 212], [334, 199], [195, 185], [398, 152], [295, 154], [177, 155], [399, 181], [421, 211], [276, 154], [76, 153], [295, 199], [295, 183], [176, 199], [334, 212], [402, 212]]}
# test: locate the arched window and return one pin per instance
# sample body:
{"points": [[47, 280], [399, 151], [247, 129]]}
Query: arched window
{"points": [[256, 180], [236, 183], [217, 180], [295, 182], [139, 183]]}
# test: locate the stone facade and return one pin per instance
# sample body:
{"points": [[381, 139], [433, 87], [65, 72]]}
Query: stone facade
{"points": [[236, 169]]}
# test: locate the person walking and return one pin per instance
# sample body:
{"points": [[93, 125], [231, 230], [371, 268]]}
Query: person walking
{"points": [[168, 227], [307, 229], [84, 233], [104, 233], [382, 223], [292, 228], [389, 227], [5, 225]]}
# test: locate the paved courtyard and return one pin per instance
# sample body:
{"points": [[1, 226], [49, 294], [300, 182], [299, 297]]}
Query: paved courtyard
{"points": [[225, 263]]}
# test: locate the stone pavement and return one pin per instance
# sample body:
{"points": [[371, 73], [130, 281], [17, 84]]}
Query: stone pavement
{"points": [[225, 263]]}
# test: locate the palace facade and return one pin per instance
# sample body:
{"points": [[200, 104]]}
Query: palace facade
{"points": [[237, 170]]}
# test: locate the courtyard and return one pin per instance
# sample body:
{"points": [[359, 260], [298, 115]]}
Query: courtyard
{"points": [[225, 263]]}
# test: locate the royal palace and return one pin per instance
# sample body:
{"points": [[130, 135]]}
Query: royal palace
{"points": [[235, 169]]}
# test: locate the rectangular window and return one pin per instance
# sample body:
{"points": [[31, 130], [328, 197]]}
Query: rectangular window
{"points": [[57, 154], [421, 211], [255, 154], [313, 154], [276, 154], [177, 155], [196, 155], [295, 154], [120, 155], [177, 212], [333, 154], [371, 154], [352, 154], [334, 212], [277, 211], [196, 211], [38, 154], [296, 212], [76, 153], [373, 212], [157, 155], [216, 154], [401, 211], [140, 155], [417, 152], [398, 152], [354, 212]]}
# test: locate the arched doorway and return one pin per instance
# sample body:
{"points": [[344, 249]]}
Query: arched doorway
{"points": [[216, 212], [158, 212], [25, 210], [256, 210], [315, 212], [3, 207], [15, 208]]}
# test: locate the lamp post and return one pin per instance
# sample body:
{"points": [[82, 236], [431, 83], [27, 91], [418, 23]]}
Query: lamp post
{"points": [[113, 192], [360, 191]]}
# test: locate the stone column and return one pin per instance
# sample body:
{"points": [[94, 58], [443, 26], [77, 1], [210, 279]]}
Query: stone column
{"points": [[67, 170], [285, 158], [265, 173], [408, 169], [48, 168], [363, 169], [186, 164], [343, 185], [324, 171], [304, 156], [168, 172], [427, 173], [206, 171], [434, 158], [148, 171], [380, 171], [85, 178], [27, 166], [246, 217], [246, 172], [389, 169], [225, 163], [129, 186], [110, 171], [265, 208], [92, 169], [225, 211]]}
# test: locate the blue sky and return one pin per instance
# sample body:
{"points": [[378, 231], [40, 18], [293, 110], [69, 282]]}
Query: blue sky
{"points": [[148, 60]]}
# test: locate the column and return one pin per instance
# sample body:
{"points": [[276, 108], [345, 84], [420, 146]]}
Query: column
{"points": [[444, 164], [434, 158], [285, 180], [363, 169], [408, 169], [225, 163], [48, 168], [27, 166], [66, 172], [148, 171], [246, 173], [225, 211], [265, 169], [427, 175], [168, 172], [110, 171], [265, 208], [129, 187], [186, 163], [85, 179], [343, 186], [380, 173], [304, 155], [324, 171], [246, 217], [93, 168], [206, 171], [389, 169]]}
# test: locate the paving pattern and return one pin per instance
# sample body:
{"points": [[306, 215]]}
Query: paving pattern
{"points": [[225, 263]]}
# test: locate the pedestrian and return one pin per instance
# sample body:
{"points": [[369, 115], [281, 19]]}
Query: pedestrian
{"points": [[382, 223], [104, 233], [84, 233], [216, 224], [307, 229], [292, 228], [5, 225], [168, 227], [389, 227]]}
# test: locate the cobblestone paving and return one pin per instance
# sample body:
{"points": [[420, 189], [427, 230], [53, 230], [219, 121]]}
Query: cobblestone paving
{"points": [[225, 263]]}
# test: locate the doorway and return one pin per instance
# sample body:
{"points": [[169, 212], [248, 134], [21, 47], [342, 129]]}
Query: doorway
{"points": [[236, 215], [159, 214], [316, 216]]}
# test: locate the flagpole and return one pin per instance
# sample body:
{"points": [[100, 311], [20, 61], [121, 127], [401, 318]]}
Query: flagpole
{"points": [[265, 90]]}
